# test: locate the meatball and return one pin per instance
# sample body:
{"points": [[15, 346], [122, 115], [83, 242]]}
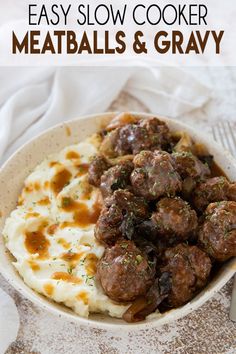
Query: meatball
{"points": [[188, 165], [215, 189], [121, 212], [116, 177], [154, 175], [175, 220], [96, 169], [146, 134], [188, 267], [124, 272], [217, 235]]}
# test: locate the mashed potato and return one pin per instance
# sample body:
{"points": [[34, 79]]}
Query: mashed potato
{"points": [[51, 232]]}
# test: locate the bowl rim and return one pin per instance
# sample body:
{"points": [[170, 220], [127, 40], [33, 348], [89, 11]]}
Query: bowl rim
{"points": [[228, 269]]}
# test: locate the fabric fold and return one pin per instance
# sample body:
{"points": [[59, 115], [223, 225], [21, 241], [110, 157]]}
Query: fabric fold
{"points": [[9, 321], [36, 99]]}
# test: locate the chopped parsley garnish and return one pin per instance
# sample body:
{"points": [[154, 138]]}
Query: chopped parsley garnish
{"points": [[69, 270], [65, 202], [88, 278]]}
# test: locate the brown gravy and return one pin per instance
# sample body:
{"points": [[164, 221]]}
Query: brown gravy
{"points": [[66, 277], [36, 242], [91, 264], [32, 215], [83, 216], [64, 243], [82, 169], [48, 289], [83, 296], [60, 180], [33, 265], [72, 258], [52, 229], [44, 201], [71, 155]]}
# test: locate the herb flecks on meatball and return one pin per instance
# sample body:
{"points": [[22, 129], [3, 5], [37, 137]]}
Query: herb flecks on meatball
{"points": [[147, 134], [217, 235], [214, 189], [116, 177], [124, 272], [155, 175], [175, 219], [188, 165], [96, 169], [121, 212], [189, 269]]}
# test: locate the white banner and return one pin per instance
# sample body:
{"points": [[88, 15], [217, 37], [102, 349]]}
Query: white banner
{"points": [[117, 33]]}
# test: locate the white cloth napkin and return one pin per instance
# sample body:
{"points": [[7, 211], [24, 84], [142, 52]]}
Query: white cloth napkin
{"points": [[9, 321], [33, 99]]}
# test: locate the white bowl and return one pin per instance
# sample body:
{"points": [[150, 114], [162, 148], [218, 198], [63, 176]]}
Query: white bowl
{"points": [[19, 166]]}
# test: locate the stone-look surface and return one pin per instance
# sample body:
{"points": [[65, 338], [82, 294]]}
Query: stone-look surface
{"points": [[205, 331]]}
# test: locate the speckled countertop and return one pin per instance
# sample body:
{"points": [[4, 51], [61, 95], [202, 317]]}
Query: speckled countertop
{"points": [[205, 331]]}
